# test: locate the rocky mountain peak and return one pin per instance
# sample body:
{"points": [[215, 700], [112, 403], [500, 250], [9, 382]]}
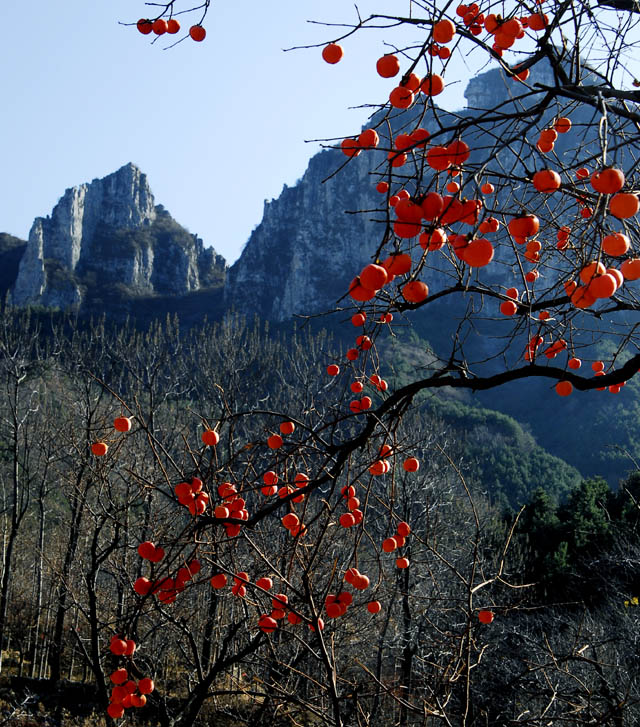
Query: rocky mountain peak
{"points": [[302, 256], [110, 232]]}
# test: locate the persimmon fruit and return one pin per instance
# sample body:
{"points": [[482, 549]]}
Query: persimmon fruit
{"points": [[218, 581], [389, 545], [350, 147], [332, 53], [388, 66], [267, 624], [564, 388], [630, 269], [547, 181], [443, 31], [397, 263], [147, 550], [274, 441], [369, 139], [412, 82], [142, 586], [432, 85], [458, 152], [608, 180], [144, 26], [197, 33], [117, 646], [438, 158], [525, 226], [401, 97], [115, 710], [119, 676], [415, 291], [591, 270], [478, 253], [210, 437], [624, 205], [122, 424], [358, 292], [411, 464], [373, 276], [290, 520], [603, 286], [347, 520]]}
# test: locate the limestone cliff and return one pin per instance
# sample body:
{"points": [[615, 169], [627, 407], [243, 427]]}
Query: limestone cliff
{"points": [[302, 256], [297, 258], [110, 233]]}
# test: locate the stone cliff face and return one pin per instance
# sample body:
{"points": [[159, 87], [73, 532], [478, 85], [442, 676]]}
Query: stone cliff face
{"points": [[297, 258], [303, 255], [307, 249], [495, 85], [109, 232]]}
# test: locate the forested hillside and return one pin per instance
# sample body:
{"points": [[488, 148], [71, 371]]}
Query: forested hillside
{"points": [[72, 524]]}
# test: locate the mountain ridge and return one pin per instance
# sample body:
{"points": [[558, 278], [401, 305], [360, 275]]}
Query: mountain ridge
{"points": [[110, 232], [298, 259]]}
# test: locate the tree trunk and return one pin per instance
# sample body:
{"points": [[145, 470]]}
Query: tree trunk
{"points": [[61, 610]]}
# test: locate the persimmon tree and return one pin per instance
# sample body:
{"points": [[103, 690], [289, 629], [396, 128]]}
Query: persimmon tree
{"points": [[165, 20], [528, 232], [520, 215], [308, 526]]}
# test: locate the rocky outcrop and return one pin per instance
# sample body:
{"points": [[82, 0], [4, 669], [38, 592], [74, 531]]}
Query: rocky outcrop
{"points": [[496, 85], [11, 252], [297, 258], [303, 255], [110, 233]]}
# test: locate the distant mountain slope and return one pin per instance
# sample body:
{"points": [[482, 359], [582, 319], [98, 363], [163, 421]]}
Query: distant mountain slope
{"points": [[11, 251]]}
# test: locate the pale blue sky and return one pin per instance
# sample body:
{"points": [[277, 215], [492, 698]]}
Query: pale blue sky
{"points": [[217, 126]]}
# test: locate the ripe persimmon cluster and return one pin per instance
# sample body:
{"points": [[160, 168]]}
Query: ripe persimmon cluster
{"points": [[126, 692], [160, 26]]}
